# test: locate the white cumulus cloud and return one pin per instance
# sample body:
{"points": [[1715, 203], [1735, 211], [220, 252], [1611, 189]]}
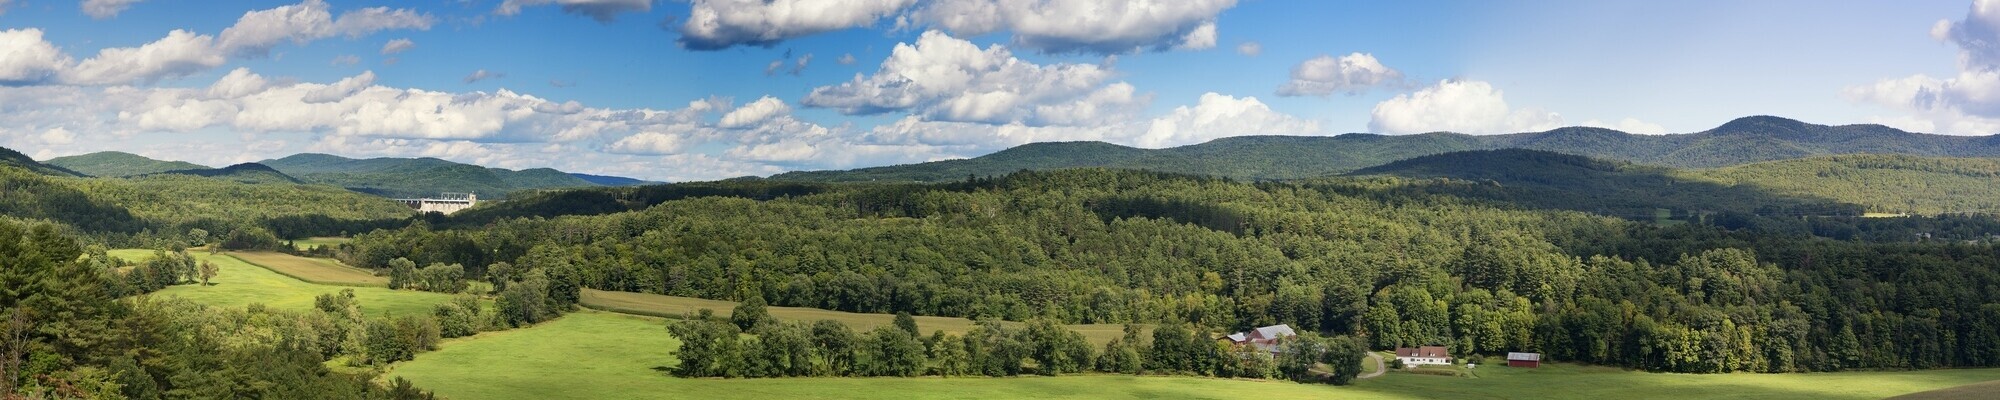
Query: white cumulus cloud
{"points": [[1463, 106], [720, 24], [1352, 74], [1081, 26], [1252, 49], [25, 58], [1967, 103], [947, 79]]}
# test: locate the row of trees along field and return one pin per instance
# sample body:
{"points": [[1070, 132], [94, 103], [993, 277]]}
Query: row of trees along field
{"points": [[1396, 267], [68, 330], [715, 347]]}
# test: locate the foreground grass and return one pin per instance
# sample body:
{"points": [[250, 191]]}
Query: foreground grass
{"points": [[240, 284], [674, 307], [596, 355], [1568, 381], [314, 270]]}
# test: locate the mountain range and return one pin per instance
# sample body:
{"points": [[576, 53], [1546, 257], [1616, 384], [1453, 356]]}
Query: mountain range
{"points": [[1741, 141], [390, 177]]}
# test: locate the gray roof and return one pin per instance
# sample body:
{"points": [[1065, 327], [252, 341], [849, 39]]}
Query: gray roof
{"points": [[1524, 356], [1276, 331]]}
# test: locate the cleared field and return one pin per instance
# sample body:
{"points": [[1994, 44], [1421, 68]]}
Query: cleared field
{"points": [[314, 270], [596, 355], [240, 284], [1982, 390], [315, 242], [674, 307], [1567, 381], [133, 255]]}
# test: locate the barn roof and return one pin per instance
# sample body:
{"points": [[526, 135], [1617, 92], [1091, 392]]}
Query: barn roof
{"points": [[1276, 331], [1524, 356]]}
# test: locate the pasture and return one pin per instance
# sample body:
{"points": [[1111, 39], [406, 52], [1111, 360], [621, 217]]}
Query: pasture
{"points": [[597, 355], [674, 307], [239, 284], [315, 270]]}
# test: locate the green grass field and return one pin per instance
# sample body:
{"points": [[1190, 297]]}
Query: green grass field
{"points": [[674, 307], [133, 255], [599, 355], [314, 270], [239, 284]]}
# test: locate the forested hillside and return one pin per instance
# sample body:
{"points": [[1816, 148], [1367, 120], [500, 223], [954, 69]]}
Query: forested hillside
{"points": [[9, 157], [1547, 180], [419, 177], [1878, 183], [140, 210], [1347, 257], [1745, 140], [245, 173], [113, 164]]}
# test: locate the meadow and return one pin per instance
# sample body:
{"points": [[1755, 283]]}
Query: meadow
{"points": [[599, 355], [314, 270], [316, 242], [239, 284], [675, 307]]}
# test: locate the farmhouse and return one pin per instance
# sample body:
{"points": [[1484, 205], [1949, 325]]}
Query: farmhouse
{"points": [[1524, 360], [1265, 338], [1425, 355]]}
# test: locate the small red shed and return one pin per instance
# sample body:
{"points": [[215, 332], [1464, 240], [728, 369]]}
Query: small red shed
{"points": [[1524, 360]]}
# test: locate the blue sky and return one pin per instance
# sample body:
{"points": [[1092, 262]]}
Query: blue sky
{"points": [[672, 90]]}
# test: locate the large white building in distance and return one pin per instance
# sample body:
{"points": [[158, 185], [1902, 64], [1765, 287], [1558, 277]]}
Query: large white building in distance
{"points": [[445, 203]]}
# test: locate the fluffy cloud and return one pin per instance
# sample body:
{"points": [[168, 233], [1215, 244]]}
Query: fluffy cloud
{"points": [[1213, 116], [1462, 106], [1081, 26], [25, 58], [398, 46], [947, 79], [182, 53], [755, 113], [241, 82], [601, 10], [720, 24], [1351, 74], [339, 90], [258, 31], [101, 9], [846, 59], [1217, 116], [1252, 49], [1967, 103]]}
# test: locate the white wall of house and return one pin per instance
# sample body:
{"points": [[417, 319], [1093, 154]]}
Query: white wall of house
{"points": [[1425, 361]]}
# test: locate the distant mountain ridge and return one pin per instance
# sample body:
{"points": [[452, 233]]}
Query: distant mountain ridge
{"points": [[115, 164], [9, 157], [419, 177], [246, 173], [1741, 141]]}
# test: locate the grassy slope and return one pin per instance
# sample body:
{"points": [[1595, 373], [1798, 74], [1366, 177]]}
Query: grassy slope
{"points": [[674, 307], [315, 270], [119, 164], [595, 355], [239, 284]]}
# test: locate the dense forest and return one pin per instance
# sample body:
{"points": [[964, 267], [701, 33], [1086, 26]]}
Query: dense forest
{"points": [[1354, 257], [1742, 141]]}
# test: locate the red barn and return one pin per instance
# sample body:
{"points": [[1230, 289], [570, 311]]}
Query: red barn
{"points": [[1524, 360]]}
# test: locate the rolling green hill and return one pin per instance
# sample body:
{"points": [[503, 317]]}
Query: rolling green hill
{"points": [[419, 177], [1879, 183], [9, 157], [114, 164], [245, 173], [1548, 180], [1742, 141]]}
